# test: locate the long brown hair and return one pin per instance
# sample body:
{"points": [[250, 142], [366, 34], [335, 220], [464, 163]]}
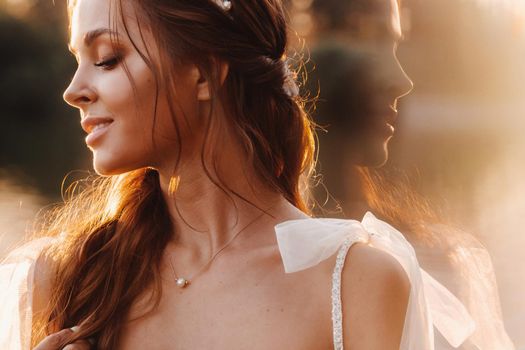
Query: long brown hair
{"points": [[116, 228]]}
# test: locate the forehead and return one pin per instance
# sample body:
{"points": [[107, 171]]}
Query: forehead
{"points": [[92, 16], [89, 15], [395, 19], [380, 16]]}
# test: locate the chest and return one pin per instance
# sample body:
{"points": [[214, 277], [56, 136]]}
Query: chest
{"points": [[241, 307]]}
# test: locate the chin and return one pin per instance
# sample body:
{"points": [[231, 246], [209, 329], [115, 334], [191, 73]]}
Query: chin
{"points": [[104, 171], [375, 156], [376, 162], [108, 167]]}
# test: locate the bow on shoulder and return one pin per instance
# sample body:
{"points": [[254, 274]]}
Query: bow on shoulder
{"points": [[307, 242]]}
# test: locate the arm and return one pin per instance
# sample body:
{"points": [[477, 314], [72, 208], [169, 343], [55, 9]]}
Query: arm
{"points": [[375, 292]]}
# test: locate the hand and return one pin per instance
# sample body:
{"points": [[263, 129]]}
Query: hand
{"points": [[53, 342]]}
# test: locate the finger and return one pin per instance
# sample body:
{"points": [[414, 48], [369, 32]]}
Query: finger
{"points": [[75, 328], [53, 341], [78, 345]]}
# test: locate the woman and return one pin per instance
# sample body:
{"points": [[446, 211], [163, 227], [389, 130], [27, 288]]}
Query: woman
{"points": [[194, 121], [360, 71]]}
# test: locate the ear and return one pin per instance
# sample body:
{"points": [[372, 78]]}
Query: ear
{"points": [[203, 85], [224, 68]]}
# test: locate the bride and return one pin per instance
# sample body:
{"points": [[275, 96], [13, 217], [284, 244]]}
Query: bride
{"points": [[204, 148]]}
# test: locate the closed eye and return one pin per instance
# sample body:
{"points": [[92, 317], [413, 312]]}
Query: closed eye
{"points": [[108, 64]]}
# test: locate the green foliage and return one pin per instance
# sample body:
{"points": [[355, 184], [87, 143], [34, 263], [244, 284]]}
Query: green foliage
{"points": [[41, 137]]}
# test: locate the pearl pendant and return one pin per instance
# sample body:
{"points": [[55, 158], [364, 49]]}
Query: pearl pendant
{"points": [[182, 282]]}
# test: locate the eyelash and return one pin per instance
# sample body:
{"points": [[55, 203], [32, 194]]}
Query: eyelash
{"points": [[109, 63]]}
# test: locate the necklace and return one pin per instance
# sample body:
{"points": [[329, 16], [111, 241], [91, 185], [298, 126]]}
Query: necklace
{"points": [[183, 282]]}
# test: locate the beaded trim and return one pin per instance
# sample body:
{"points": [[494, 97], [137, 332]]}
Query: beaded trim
{"points": [[337, 314]]}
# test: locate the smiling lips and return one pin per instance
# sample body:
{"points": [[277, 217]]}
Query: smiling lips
{"points": [[91, 124], [95, 127]]}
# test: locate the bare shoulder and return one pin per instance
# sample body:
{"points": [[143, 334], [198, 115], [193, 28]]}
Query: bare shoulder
{"points": [[373, 266], [375, 292]]}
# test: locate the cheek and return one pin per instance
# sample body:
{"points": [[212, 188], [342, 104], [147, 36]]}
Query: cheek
{"points": [[132, 103], [117, 93], [184, 121]]}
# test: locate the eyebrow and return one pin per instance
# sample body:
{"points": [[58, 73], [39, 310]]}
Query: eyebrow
{"points": [[90, 36]]}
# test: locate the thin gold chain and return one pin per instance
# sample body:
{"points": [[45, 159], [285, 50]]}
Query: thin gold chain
{"points": [[208, 263]]}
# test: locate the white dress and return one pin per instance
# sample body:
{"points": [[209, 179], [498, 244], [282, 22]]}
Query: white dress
{"points": [[305, 243], [464, 266], [17, 274]]}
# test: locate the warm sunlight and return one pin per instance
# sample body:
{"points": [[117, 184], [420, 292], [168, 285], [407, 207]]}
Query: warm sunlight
{"points": [[429, 91], [17, 8]]}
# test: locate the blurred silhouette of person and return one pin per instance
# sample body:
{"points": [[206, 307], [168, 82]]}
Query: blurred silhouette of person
{"points": [[358, 81]]}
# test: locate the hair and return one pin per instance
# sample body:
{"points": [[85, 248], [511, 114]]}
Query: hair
{"points": [[116, 228], [392, 196]]}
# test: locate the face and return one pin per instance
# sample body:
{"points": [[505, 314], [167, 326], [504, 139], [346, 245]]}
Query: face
{"points": [[127, 126], [373, 83]]}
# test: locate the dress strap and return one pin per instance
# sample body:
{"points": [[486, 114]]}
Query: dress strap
{"points": [[307, 242], [337, 309]]}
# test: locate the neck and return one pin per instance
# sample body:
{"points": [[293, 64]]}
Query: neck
{"points": [[209, 209], [355, 204], [203, 213]]}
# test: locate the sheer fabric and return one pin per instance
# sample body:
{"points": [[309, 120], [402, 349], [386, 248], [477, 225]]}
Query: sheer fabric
{"points": [[463, 265], [305, 243], [17, 275]]}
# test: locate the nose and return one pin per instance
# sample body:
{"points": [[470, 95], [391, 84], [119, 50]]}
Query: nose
{"points": [[79, 94], [399, 83], [396, 83]]}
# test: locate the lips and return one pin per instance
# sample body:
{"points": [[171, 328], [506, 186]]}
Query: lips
{"points": [[96, 127], [391, 115], [91, 124], [382, 120]]}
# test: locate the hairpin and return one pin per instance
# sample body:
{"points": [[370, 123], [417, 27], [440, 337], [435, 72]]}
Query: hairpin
{"points": [[226, 5]]}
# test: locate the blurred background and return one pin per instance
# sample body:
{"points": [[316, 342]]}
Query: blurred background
{"points": [[462, 128], [41, 141]]}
